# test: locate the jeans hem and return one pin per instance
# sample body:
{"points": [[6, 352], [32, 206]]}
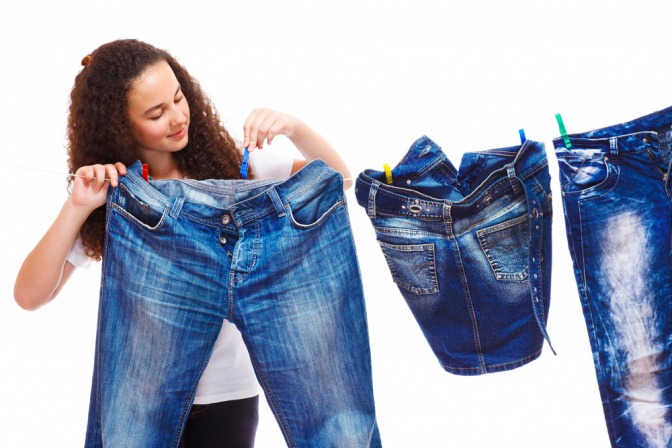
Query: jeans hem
{"points": [[491, 368]]}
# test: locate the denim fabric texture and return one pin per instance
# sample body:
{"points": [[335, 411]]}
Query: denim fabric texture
{"points": [[616, 197], [277, 259], [469, 249]]}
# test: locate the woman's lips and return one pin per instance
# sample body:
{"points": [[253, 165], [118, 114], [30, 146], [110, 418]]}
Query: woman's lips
{"points": [[179, 134]]}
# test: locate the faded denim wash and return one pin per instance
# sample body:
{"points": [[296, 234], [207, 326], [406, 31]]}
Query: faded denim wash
{"points": [[616, 195], [470, 250], [277, 259]]}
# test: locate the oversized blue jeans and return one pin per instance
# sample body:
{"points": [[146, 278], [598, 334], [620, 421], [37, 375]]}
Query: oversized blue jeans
{"points": [[470, 250], [616, 196], [275, 258]]}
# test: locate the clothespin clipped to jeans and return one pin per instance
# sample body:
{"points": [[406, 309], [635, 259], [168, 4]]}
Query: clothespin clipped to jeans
{"points": [[388, 173], [145, 172], [244, 164], [521, 132], [563, 131]]}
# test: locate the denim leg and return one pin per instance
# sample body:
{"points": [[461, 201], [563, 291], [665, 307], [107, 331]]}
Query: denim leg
{"points": [[617, 213], [298, 302]]}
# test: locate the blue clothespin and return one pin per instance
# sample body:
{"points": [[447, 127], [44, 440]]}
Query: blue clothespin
{"points": [[521, 132], [244, 164], [563, 131]]}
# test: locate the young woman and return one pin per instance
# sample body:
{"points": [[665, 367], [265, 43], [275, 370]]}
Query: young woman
{"points": [[132, 101]]}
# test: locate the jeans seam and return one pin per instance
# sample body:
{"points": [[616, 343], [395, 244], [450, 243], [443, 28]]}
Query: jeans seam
{"points": [[270, 397], [470, 306]]}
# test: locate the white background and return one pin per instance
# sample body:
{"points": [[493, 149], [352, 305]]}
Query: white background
{"points": [[371, 77]]}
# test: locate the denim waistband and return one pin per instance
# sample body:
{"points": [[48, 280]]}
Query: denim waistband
{"points": [[208, 201], [629, 137], [378, 197]]}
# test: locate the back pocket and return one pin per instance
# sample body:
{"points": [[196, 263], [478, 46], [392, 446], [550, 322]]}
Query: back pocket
{"points": [[506, 246], [413, 266]]}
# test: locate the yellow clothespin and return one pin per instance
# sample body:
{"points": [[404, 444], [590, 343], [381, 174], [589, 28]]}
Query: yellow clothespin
{"points": [[388, 173]]}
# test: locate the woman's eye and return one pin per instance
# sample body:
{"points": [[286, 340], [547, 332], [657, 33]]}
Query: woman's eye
{"points": [[177, 100], [156, 118]]}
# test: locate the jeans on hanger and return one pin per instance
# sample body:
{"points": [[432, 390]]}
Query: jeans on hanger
{"points": [[277, 259], [616, 196], [470, 250]]}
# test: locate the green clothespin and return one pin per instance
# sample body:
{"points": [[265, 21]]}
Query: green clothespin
{"points": [[563, 131]]}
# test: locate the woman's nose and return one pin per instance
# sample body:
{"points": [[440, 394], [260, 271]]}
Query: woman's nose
{"points": [[178, 117]]}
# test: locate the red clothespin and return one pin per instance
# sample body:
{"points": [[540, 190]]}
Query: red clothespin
{"points": [[145, 172]]}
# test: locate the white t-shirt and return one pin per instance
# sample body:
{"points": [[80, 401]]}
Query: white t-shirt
{"points": [[229, 374]]}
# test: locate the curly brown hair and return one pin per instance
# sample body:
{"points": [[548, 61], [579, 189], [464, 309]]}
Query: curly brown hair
{"points": [[99, 129]]}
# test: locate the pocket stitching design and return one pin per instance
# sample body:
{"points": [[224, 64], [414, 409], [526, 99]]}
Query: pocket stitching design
{"points": [[485, 247], [430, 263]]}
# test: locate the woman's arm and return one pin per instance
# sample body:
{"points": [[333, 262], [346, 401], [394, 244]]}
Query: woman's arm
{"points": [[265, 124], [45, 270]]}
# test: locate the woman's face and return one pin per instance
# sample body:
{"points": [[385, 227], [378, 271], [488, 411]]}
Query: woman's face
{"points": [[158, 111]]}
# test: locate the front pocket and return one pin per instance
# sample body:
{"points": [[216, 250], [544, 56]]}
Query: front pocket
{"points": [[309, 215], [506, 246], [584, 174], [314, 205], [128, 205], [413, 266]]}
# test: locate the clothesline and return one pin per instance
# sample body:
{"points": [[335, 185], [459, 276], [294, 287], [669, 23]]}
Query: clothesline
{"points": [[30, 168]]}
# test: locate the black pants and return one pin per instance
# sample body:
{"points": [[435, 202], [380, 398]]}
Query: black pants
{"points": [[229, 424]]}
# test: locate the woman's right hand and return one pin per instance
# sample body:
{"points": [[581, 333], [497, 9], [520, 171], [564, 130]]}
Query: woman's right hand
{"points": [[89, 189]]}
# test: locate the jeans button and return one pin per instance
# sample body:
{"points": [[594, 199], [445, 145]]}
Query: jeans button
{"points": [[226, 219], [222, 240]]}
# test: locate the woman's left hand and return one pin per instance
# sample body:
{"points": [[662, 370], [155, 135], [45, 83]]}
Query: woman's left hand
{"points": [[263, 125]]}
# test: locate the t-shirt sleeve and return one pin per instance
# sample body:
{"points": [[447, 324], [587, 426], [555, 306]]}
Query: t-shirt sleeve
{"points": [[270, 165], [76, 256]]}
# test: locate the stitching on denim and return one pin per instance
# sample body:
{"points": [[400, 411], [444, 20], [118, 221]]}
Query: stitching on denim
{"points": [[371, 200], [272, 401], [491, 368], [145, 187], [131, 218], [500, 212], [294, 192], [608, 184], [428, 248], [272, 194], [533, 170], [395, 231], [319, 221], [470, 305], [177, 207], [485, 247], [255, 251]]}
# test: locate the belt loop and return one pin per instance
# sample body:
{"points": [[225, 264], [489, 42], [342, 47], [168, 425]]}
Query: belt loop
{"points": [[371, 205], [277, 202], [511, 172], [613, 146], [177, 208], [447, 218]]}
